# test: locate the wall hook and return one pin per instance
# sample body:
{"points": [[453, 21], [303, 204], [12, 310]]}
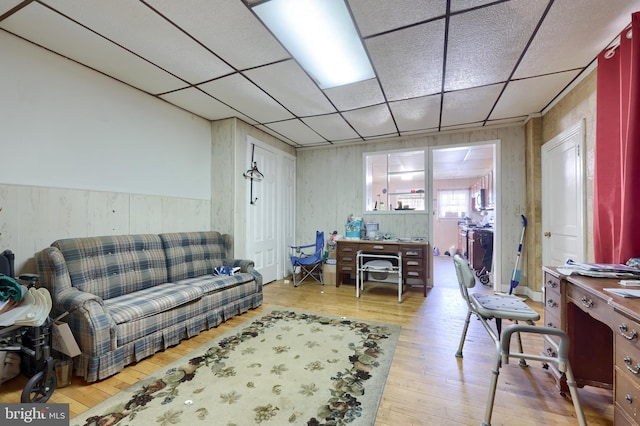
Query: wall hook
{"points": [[253, 174]]}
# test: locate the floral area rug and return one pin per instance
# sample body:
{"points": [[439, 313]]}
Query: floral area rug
{"points": [[287, 367]]}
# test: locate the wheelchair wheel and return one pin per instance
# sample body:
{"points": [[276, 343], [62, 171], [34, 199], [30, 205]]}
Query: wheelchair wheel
{"points": [[38, 389], [484, 279]]}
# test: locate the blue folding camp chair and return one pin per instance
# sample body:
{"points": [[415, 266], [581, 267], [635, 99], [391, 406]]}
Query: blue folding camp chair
{"points": [[308, 263]]}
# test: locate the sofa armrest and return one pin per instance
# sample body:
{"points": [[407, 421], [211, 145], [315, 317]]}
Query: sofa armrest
{"points": [[246, 266], [90, 323]]}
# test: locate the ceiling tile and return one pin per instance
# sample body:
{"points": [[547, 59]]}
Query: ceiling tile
{"points": [[356, 95], [154, 38], [460, 5], [34, 23], [523, 97], [417, 114], [372, 121], [469, 106], [298, 131], [202, 104], [409, 62], [469, 60], [391, 14], [276, 135], [239, 93], [7, 5], [289, 84], [332, 127], [227, 28], [567, 26]]}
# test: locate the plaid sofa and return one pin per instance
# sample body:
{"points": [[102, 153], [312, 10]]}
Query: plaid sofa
{"points": [[129, 296]]}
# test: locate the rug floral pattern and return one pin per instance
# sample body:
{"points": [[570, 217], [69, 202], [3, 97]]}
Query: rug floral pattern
{"points": [[286, 367]]}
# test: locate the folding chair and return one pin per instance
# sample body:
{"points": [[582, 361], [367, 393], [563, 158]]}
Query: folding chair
{"points": [[504, 306], [309, 263]]}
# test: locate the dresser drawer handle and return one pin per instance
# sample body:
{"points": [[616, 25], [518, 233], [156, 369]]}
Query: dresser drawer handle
{"points": [[629, 336], [552, 353], [629, 398], [413, 263], [628, 362], [378, 247], [587, 303], [552, 284], [411, 253], [551, 303]]}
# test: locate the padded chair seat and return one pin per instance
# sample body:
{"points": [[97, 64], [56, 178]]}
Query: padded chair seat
{"points": [[502, 305]]}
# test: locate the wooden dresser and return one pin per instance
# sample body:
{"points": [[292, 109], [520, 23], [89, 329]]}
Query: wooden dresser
{"points": [[604, 330], [416, 259]]}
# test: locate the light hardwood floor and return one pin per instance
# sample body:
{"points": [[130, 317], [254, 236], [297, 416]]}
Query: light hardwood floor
{"points": [[427, 384]]}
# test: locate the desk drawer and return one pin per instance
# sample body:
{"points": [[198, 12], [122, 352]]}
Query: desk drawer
{"points": [[552, 287], [552, 303], [590, 303], [410, 252], [552, 319], [347, 248], [377, 247], [627, 332], [628, 359], [627, 396]]}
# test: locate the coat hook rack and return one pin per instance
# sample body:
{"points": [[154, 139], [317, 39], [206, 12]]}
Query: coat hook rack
{"points": [[253, 174]]}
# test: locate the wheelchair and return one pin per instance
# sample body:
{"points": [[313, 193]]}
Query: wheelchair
{"points": [[32, 343]]}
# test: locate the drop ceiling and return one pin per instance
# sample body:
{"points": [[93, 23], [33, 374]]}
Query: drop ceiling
{"points": [[439, 64]]}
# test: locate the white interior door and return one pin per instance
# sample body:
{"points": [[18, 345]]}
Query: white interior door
{"points": [[563, 198], [262, 218], [287, 211]]}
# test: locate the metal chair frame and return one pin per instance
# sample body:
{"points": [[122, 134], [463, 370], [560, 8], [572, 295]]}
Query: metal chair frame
{"points": [[505, 306], [310, 264]]}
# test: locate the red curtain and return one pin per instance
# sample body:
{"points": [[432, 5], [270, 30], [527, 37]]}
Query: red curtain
{"points": [[617, 154]]}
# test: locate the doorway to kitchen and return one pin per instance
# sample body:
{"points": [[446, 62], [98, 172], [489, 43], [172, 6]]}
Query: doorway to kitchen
{"points": [[463, 182]]}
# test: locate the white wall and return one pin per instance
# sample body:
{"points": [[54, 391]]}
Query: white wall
{"points": [[87, 155], [70, 127]]}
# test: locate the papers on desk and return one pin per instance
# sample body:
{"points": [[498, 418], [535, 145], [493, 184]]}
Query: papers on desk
{"points": [[599, 270], [625, 292]]}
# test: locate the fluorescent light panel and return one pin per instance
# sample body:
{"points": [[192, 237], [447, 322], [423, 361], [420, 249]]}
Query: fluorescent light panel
{"points": [[321, 36]]}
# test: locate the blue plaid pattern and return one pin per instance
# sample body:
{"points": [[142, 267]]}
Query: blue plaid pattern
{"points": [[193, 254], [114, 265], [130, 296]]}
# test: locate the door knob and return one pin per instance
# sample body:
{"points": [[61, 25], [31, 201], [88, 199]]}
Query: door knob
{"points": [[547, 234]]}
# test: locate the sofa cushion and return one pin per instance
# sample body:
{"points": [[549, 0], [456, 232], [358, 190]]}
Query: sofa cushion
{"points": [[193, 254], [150, 301], [211, 283], [112, 266]]}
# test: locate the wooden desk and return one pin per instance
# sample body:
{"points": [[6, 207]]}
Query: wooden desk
{"points": [[604, 331], [416, 259]]}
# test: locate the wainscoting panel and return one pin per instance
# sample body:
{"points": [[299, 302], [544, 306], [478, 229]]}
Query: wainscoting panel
{"points": [[31, 218]]}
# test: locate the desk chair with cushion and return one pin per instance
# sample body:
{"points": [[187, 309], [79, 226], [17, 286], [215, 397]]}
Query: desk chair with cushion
{"points": [[503, 306], [308, 258]]}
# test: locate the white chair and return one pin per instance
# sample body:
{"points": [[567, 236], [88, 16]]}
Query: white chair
{"points": [[489, 306], [504, 306]]}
